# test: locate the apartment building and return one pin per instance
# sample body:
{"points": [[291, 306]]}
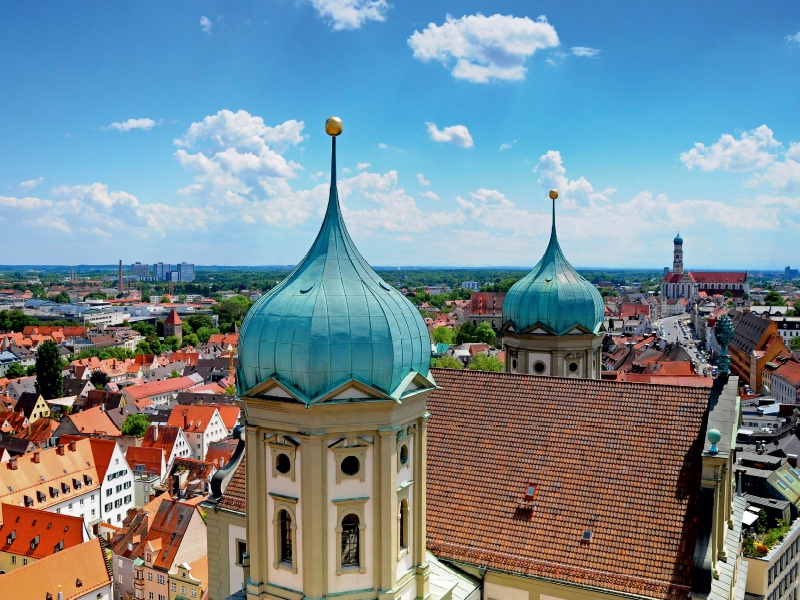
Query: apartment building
{"points": [[202, 424]]}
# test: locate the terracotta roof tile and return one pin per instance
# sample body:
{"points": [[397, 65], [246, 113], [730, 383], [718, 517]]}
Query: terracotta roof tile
{"points": [[53, 529], [93, 420], [621, 460], [84, 563], [234, 496]]}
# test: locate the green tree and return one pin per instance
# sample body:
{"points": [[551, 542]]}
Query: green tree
{"points": [[465, 333], [174, 374], [446, 362], [135, 425], [230, 390], [16, 370], [232, 311], [761, 524], [144, 348], [773, 298], [728, 294], [206, 332], [60, 298], [99, 380], [484, 334], [190, 340], [483, 362], [15, 320], [145, 297], [31, 370], [796, 343], [165, 299], [198, 321], [445, 335], [144, 329], [49, 380], [172, 342], [160, 327]]}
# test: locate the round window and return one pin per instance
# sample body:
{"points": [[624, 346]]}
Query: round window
{"points": [[573, 367], [404, 455], [539, 367], [282, 463], [350, 465]]}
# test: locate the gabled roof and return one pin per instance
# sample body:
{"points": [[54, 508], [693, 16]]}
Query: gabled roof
{"points": [[27, 402], [161, 436], [159, 387], [609, 457], [173, 318], [195, 418], [234, 497], [93, 420], [40, 430], [167, 531], [75, 572], [146, 460], [720, 276], [219, 453], [22, 525], [229, 414], [789, 372], [749, 332]]}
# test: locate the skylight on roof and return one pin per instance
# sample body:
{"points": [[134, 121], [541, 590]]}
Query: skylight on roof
{"points": [[796, 472], [783, 485], [789, 478]]}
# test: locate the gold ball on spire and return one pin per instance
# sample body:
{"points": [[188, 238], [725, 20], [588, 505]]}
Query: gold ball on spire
{"points": [[333, 126], [553, 194]]}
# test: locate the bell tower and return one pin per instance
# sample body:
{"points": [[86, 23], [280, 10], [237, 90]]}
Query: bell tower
{"points": [[334, 380], [677, 255]]}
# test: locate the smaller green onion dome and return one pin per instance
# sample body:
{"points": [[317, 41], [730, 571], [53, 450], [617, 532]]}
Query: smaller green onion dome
{"points": [[554, 296], [678, 239]]}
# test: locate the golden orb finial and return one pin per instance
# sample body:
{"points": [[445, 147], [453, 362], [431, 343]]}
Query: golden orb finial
{"points": [[553, 194], [333, 126]]}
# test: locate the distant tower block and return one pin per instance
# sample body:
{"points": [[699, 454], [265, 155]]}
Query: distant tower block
{"points": [[677, 255], [173, 325]]}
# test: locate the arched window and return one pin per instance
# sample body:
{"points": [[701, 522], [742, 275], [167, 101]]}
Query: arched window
{"points": [[350, 541], [403, 525], [285, 520]]}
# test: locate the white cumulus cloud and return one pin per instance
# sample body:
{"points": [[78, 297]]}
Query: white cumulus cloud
{"points": [[422, 180], [362, 166], [508, 146], [350, 14], [123, 126], [27, 186], [482, 49], [794, 38], [429, 194], [205, 25], [455, 134], [751, 151], [553, 175]]}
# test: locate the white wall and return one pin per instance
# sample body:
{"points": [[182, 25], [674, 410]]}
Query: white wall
{"points": [[125, 483], [284, 485], [236, 572]]}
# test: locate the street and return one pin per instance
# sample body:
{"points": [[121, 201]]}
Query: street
{"points": [[676, 330]]}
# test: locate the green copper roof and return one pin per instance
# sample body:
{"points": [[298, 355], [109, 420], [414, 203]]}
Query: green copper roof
{"points": [[678, 239], [331, 320], [554, 296]]}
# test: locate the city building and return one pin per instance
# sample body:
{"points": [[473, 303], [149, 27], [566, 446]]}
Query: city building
{"points": [[471, 285], [33, 406], [790, 274], [161, 393], [92, 421], [775, 575], [76, 573], [201, 424], [140, 271], [185, 272], [553, 319], [755, 343], [173, 325], [169, 439], [63, 480], [788, 328], [161, 271], [188, 580], [785, 383], [149, 469], [486, 307], [29, 534], [688, 284]]}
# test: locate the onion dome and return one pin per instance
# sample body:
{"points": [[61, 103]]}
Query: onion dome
{"points": [[678, 239], [333, 320], [553, 296]]}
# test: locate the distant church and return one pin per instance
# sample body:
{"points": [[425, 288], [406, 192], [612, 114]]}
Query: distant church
{"points": [[689, 284], [363, 474]]}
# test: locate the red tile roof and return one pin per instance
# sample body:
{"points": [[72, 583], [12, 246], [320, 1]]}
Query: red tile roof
{"points": [[195, 418], [93, 420], [229, 414], [618, 459], [53, 529], [167, 530], [75, 572], [173, 318], [149, 460], [159, 387], [234, 496], [789, 372], [161, 436]]}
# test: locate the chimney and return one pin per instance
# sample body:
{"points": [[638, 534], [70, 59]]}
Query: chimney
{"points": [[12, 463], [36, 458], [185, 421], [792, 459], [60, 449], [221, 461], [72, 446], [155, 432]]}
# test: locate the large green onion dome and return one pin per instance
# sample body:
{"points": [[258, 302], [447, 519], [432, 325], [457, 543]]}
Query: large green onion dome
{"points": [[333, 320], [554, 297]]}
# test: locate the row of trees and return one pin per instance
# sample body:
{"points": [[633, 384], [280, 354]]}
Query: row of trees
{"points": [[481, 362], [464, 334]]}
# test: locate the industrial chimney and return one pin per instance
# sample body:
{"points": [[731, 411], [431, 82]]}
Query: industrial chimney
{"points": [[120, 276]]}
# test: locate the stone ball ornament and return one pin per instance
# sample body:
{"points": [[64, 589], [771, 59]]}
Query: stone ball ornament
{"points": [[333, 126]]}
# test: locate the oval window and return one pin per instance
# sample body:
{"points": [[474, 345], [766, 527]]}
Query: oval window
{"points": [[573, 367], [539, 367], [282, 463], [351, 465], [307, 287], [404, 454]]}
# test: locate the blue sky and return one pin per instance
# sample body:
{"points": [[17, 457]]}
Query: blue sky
{"points": [[195, 131]]}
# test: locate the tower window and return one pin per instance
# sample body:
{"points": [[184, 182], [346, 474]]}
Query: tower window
{"points": [[403, 533], [350, 540], [286, 536], [404, 454], [283, 464], [573, 367], [351, 465], [539, 367]]}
